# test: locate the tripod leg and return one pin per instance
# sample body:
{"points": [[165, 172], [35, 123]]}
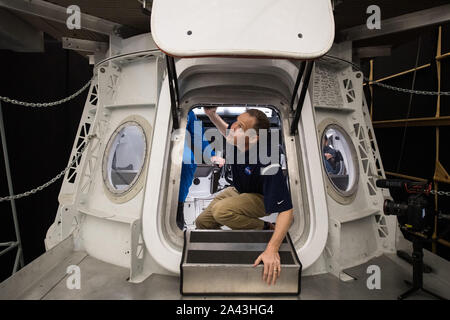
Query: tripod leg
{"points": [[405, 256], [433, 294], [418, 267], [407, 293]]}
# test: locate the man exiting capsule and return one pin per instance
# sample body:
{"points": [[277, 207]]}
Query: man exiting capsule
{"points": [[257, 190]]}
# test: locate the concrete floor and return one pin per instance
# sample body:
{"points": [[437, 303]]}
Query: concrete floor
{"points": [[104, 281]]}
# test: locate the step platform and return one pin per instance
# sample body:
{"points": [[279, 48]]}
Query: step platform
{"points": [[220, 262]]}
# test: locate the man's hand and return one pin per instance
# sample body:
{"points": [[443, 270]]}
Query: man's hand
{"points": [[328, 156], [220, 124], [210, 111], [272, 265], [218, 160], [270, 257]]}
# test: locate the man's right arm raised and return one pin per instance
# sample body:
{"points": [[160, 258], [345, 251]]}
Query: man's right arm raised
{"points": [[220, 124]]}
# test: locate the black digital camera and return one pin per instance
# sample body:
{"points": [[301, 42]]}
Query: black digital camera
{"points": [[410, 205]]}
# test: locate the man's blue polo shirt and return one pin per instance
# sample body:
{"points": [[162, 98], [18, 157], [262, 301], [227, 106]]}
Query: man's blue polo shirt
{"points": [[267, 180]]}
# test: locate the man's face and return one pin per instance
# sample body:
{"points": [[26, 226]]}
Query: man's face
{"points": [[239, 134]]}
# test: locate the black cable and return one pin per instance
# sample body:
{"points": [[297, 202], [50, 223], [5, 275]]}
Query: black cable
{"points": [[419, 45], [346, 61]]}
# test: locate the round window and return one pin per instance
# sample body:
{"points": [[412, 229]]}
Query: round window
{"points": [[339, 160], [124, 157]]}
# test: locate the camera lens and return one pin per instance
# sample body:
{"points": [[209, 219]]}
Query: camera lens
{"points": [[392, 208]]}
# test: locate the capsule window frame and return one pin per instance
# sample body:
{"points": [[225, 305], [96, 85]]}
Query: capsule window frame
{"points": [[344, 197], [122, 196]]}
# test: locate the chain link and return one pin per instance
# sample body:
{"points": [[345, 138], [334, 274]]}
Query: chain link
{"points": [[440, 193], [61, 174], [46, 104], [403, 90]]}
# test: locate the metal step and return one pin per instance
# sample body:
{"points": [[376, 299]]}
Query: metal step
{"points": [[220, 262]]}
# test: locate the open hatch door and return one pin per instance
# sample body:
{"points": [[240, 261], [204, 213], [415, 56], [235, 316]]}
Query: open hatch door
{"points": [[292, 29]]}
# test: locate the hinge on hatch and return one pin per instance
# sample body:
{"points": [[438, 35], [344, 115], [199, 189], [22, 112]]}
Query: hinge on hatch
{"points": [[173, 88], [304, 72]]}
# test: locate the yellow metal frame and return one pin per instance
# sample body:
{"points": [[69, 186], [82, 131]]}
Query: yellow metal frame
{"points": [[440, 174]]}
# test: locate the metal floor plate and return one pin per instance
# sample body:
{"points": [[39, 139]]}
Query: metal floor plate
{"points": [[104, 281]]}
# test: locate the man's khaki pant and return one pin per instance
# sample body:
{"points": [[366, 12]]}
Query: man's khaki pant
{"points": [[234, 210]]}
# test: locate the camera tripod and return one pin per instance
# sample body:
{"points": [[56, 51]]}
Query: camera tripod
{"points": [[417, 262]]}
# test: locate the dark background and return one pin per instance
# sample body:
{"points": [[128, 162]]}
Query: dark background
{"points": [[417, 156], [40, 141]]}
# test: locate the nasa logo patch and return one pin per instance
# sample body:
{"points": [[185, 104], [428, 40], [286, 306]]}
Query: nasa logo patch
{"points": [[248, 171]]}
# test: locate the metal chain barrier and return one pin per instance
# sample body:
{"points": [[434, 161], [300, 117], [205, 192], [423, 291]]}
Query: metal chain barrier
{"points": [[440, 193], [403, 90], [46, 104], [61, 174]]}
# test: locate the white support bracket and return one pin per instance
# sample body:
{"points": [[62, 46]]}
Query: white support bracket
{"points": [[84, 45]]}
